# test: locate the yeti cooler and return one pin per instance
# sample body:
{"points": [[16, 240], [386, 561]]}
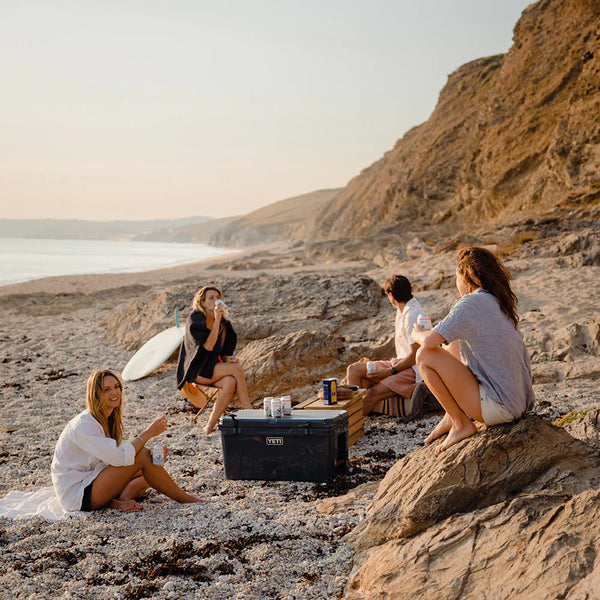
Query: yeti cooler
{"points": [[309, 445]]}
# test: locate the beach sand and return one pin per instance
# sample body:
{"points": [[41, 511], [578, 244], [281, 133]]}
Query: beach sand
{"points": [[254, 539]]}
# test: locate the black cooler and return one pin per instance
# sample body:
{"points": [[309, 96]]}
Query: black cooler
{"points": [[309, 445]]}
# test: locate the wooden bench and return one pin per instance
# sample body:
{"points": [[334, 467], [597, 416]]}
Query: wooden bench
{"points": [[353, 406]]}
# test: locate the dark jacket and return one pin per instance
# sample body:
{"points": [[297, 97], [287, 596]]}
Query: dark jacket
{"points": [[194, 358]]}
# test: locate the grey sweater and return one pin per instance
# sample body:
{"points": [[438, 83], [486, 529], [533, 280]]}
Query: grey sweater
{"points": [[492, 349]]}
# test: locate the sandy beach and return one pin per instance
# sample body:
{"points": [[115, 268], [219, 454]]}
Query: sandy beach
{"points": [[254, 539]]}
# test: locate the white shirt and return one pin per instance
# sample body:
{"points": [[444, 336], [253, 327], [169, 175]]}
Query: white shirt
{"points": [[82, 451], [405, 320]]}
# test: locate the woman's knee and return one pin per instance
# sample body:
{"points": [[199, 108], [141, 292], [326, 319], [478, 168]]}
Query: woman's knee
{"points": [[143, 457], [422, 357], [238, 369], [228, 383]]}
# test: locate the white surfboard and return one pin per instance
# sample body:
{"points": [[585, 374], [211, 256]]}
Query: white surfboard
{"points": [[154, 352]]}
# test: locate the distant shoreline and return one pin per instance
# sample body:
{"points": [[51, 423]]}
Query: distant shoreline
{"points": [[40, 261], [97, 282]]}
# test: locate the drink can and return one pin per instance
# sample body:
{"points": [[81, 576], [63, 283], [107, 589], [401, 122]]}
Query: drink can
{"points": [[424, 322], [267, 406], [329, 391], [221, 303], [158, 454], [370, 367], [286, 405], [276, 407]]}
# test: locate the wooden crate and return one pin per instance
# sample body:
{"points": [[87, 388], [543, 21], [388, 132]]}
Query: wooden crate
{"points": [[353, 406]]}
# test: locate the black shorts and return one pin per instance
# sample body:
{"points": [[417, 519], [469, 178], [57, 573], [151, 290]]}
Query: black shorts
{"points": [[86, 502]]}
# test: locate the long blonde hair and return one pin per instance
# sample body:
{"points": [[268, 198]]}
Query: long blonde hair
{"points": [[113, 425]]}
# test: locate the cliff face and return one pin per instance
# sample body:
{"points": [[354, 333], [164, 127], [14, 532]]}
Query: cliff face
{"points": [[511, 136]]}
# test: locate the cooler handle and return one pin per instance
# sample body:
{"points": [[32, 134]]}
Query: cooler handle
{"points": [[236, 426]]}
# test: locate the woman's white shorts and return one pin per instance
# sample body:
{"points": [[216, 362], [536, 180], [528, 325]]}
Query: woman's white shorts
{"points": [[492, 412]]}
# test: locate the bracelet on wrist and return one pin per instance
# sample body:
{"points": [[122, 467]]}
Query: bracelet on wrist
{"points": [[394, 371]]}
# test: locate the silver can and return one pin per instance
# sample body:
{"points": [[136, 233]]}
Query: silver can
{"points": [[267, 406], [424, 322], [276, 407], [286, 405], [158, 454], [370, 367]]}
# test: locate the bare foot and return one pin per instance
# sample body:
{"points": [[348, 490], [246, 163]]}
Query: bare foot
{"points": [[127, 506], [208, 430], [441, 428], [458, 434]]}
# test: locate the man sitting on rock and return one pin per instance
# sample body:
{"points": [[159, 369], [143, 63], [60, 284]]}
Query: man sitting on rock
{"points": [[398, 376]]}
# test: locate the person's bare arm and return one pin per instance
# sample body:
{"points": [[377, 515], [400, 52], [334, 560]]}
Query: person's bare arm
{"points": [[213, 336], [426, 337]]}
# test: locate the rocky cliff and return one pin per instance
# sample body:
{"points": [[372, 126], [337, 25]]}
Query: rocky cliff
{"points": [[511, 136]]}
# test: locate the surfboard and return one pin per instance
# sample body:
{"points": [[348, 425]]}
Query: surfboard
{"points": [[154, 352]]}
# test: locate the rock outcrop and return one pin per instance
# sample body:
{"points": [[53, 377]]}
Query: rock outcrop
{"points": [[293, 330], [510, 513], [511, 136]]}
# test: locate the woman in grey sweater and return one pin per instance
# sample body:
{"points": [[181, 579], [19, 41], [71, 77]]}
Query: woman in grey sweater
{"points": [[484, 372]]}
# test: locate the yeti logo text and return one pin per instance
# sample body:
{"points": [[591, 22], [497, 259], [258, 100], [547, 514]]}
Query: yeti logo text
{"points": [[274, 441]]}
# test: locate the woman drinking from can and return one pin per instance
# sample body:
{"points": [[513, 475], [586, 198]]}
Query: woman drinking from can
{"points": [[206, 356]]}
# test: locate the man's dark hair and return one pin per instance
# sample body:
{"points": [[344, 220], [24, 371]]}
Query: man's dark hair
{"points": [[399, 287]]}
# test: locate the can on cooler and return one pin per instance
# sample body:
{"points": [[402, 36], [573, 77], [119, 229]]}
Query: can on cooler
{"points": [[424, 322], [158, 454], [286, 405], [329, 391], [267, 402], [276, 407], [370, 367]]}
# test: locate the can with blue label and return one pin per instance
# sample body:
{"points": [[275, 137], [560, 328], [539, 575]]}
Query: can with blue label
{"points": [[329, 391]]}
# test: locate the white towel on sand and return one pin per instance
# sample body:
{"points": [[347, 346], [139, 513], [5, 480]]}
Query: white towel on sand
{"points": [[43, 503]]}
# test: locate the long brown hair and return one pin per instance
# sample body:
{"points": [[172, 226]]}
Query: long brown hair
{"points": [[481, 268], [113, 425]]}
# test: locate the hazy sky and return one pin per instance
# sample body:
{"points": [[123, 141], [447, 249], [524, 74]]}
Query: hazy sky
{"points": [[143, 109]]}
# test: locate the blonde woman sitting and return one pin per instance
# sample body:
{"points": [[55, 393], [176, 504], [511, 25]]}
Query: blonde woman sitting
{"points": [[92, 466]]}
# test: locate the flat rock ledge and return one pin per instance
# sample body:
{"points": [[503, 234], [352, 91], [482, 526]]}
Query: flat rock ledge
{"points": [[511, 512]]}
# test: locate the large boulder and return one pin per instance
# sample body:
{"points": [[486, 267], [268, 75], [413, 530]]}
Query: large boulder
{"points": [[259, 306], [509, 512], [293, 330], [279, 364]]}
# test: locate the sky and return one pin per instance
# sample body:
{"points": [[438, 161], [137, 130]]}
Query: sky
{"points": [[151, 109]]}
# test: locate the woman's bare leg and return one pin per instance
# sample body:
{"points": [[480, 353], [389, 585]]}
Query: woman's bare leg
{"points": [[234, 370], [456, 389], [134, 489], [227, 386], [112, 481]]}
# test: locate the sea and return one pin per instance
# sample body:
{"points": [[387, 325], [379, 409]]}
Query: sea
{"points": [[24, 259]]}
